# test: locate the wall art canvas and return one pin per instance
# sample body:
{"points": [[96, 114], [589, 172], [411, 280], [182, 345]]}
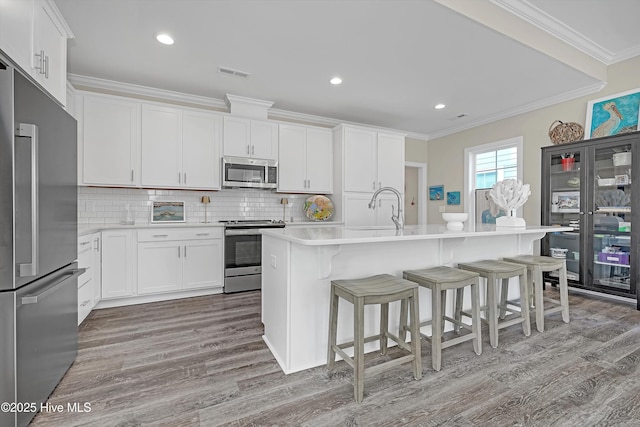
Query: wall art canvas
{"points": [[486, 210], [613, 115], [163, 212], [436, 192], [453, 197]]}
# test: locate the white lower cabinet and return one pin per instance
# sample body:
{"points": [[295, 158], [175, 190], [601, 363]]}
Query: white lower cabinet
{"points": [[358, 213], [85, 280], [118, 263], [89, 282], [172, 260], [203, 264], [159, 267], [133, 266]]}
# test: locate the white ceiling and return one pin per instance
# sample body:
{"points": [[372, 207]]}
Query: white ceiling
{"points": [[485, 59]]}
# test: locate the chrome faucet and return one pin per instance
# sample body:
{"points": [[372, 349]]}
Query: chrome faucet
{"points": [[398, 219]]}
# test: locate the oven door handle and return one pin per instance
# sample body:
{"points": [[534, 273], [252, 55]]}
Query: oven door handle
{"points": [[242, 232]]}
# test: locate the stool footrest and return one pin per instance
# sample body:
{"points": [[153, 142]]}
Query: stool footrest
{"points": [[373, 370]]}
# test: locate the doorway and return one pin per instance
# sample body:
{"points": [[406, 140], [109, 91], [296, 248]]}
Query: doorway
{"points": [[415, 196]]}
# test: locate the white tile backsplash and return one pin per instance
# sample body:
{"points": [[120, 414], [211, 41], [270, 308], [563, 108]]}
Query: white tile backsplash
{"points": [[97, 205]]}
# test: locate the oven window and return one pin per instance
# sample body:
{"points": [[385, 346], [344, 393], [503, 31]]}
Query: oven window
{"points": [[244, 173], [242, 251]]}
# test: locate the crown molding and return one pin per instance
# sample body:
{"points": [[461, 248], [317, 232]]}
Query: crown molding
{"points": [[623, 55], [330, 122], [554, 100], [85, 82], [132, 89], [535, 16]]}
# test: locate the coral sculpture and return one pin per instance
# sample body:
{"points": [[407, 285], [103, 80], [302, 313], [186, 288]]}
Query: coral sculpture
{"points": [[510, 194]]}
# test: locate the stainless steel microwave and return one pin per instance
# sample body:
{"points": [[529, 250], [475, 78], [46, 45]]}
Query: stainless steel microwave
{"points": [[243, 172]]}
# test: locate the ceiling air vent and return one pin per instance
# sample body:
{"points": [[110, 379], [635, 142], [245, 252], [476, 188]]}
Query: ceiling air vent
{"points": [[234, 73]]}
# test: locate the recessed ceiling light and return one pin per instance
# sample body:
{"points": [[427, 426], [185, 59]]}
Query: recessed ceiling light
{"points": [[439, 106], [164, 38], [335, 81]]}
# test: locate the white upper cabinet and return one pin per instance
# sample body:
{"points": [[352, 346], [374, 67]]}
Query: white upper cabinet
{"points": [[161, 146], [201, 146], [250, 138], [16, 31], [123, 142], [371, 160], [305, 162], [180, 148], [360, 160], [109, 140], [50, 50], [390, 161], [34, 34], [366, 160]]}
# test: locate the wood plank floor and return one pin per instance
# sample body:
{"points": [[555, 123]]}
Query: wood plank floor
{"points": [[202, 362]]}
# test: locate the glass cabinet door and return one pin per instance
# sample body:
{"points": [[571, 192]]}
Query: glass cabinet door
{"points": [[565, 175], [611, 221]]}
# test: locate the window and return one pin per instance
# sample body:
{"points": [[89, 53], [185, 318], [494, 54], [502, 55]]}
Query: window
{"points": [[487, 164], [495, 165]]}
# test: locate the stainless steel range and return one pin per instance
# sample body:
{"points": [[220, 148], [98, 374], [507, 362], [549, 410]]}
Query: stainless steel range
{"points": [[243, 254]]}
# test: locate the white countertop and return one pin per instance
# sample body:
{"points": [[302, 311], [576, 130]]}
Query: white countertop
{"points": [[94, 228], [340, 235]]}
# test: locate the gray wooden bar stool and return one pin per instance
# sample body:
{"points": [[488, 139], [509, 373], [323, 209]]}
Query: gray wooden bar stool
{"points": [[381, 289], [495, 271], [439, 280], [536, 265]]}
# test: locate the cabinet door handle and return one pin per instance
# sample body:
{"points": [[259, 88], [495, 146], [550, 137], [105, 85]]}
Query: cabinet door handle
{"points": [[97, 242], [374, 185], [84, 243], [160, 235], [131, 175], [308, 183], [185, 251], [185, 178], [179, 178], [379, 184], [41, 62], [178, 251], [248, 149], [202, 234], [46, 66], [253, 149], [84, 303]]}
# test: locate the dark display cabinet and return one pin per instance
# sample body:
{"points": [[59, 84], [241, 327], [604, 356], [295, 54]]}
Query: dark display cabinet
{"points": [[593, 187]]}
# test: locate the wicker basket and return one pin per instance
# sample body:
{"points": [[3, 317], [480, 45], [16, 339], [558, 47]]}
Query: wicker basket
{"points": [[561, 133]]}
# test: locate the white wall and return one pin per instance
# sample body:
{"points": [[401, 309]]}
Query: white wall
{"points": [[445, 155]]}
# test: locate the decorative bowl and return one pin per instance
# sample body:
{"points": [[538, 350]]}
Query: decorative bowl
{"points": [[455, 220]]}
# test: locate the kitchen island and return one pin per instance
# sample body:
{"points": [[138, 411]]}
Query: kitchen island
{"points": [[298, 265]]}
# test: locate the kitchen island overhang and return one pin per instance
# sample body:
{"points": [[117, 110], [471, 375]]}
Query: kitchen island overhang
{"points": [[298, 265]]}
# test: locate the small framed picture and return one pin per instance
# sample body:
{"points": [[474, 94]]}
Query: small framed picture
{"points": [[453, 197], [163, 212], [565, 201], [436, 192]]}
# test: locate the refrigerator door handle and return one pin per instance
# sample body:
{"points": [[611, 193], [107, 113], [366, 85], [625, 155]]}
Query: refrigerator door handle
{"points": [[31, 131], [33, 299]]}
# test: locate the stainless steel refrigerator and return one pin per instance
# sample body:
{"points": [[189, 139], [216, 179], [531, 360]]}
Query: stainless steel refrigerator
{"points": [[38, 245]]}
